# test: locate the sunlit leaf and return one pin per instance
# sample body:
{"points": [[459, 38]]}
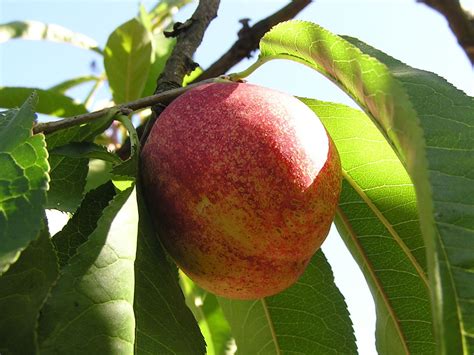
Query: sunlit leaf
{"points": [[378, 220], [23, 181], [127, 60], [35, 30], [90, 309], [429, 123], [208, 313]]}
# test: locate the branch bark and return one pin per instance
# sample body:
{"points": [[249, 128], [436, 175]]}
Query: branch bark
{"points": [[188, 37], [459, 21], [249, 38]]}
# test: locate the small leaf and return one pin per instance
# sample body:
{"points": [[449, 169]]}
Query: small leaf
{"points": [[162, 48], [49, 103], [129, 167], [34, 30], [82, 223], [127, 60], [208, 313], [310, 317], [164, 323], [23, 182], [71, 83], [23, 290], [88, 150], [68, 175], [90, 309]]}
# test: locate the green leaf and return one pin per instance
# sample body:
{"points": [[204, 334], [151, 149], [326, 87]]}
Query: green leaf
{"points": [[435, 137], [164, 324], [210, 317], [129, 167], [378, 220], [50, 102], [68, 175], [127, 60], [71, 83], [310, 317], [68, 180], [162, 48], [23, 182], [23, 289], [34, 30], [90, 309], [429, 124], [88, 150], [82, 223]]}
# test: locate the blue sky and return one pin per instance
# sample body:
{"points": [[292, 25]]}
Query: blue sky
{"points": [[404, 29]]}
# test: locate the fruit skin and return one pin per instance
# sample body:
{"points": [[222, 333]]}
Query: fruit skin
{"points": [[242, 182]]}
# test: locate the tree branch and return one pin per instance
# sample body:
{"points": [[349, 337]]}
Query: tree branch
{"points": [[164, 97], [249, 38], [188, 37], [459, 21]]}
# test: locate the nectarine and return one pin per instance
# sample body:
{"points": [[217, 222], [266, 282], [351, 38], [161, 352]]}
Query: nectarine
{"points": [[243, 182]]}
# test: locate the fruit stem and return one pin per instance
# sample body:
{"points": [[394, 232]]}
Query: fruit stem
{"points": [[244, 73]]}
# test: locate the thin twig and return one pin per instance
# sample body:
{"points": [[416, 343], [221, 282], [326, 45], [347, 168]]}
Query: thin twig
{"points": [[249, 38], [148, 101], [459, 21]]}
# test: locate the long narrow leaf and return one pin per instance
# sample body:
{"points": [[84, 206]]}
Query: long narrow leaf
{"points": [[416, 111], [378, 220], [35, 30], [127, 60]]}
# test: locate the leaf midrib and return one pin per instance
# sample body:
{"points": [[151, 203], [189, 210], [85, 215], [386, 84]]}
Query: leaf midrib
{"points": [[388, 226], [270, 325], [370, 269]]}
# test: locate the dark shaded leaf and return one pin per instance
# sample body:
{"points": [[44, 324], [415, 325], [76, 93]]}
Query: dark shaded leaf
{"points": [[164, 324], [71, 83], [82, 223], [23, 289], [49, 103]]}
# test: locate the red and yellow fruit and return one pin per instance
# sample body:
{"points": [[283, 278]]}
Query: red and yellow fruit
{"points": [[243, 183]]}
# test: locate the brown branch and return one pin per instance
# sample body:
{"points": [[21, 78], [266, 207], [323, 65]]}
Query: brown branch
{"points": [[249, 38], [459, 21], [164, 98], [188, 37]]}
